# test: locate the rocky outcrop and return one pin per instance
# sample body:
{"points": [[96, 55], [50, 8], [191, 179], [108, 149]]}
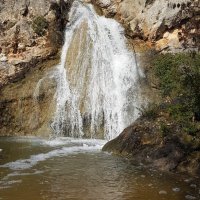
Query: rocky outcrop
{"points": [[155, 26], [27, 106], [165, 25], [146, 142], [31, 35], [30, 32]]}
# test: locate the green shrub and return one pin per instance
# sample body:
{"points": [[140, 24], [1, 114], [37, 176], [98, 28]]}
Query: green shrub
{"points": [[149, 112], [191, 128], [180, 111], [179, 78], [165, 129], [40, 25], [179, 81]]}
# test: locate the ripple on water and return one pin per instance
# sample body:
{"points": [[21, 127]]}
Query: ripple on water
{"points": [[34, 159], [84, 172], [190, 197], [176, 189]]}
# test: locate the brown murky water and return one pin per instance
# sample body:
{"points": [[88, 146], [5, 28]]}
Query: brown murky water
{"points": [[36, 169]]}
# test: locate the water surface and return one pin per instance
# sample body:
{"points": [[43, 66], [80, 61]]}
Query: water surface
{"points": [[32, 168]]}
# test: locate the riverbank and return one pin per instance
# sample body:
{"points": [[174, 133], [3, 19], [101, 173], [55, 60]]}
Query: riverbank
{"points": [[167, 135], [66, 168]]}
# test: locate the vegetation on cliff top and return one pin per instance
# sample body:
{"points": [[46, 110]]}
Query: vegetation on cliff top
{"points": [[40, 25]]}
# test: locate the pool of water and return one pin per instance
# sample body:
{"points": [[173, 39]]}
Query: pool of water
{"points": [[64, 168]]}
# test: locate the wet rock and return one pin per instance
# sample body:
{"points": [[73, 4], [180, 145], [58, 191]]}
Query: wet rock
{"points": [[104, 3], [162, 192], [142, 142], [176, 189], [193, 185], [190, 197], [27, 105], [109, 7]]}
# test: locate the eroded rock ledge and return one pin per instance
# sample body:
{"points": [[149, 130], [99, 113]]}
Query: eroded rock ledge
{"points": [[144, 143], [30, 33], [166, 25]]}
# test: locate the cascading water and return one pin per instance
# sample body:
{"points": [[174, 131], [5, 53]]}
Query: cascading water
{"points": [[97, 79]]}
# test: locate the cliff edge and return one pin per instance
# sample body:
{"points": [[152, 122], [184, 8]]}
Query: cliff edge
{"points": [[165, 25]]}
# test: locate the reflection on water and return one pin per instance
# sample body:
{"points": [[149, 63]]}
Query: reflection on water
{"points": [[66, 168]]}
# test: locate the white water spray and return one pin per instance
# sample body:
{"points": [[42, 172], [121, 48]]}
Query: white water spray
{"points": [[97, 91]]}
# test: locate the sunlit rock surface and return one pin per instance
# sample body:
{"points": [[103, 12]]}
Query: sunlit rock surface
{"points": [[20, 45], [167, 25], [27, 106]]}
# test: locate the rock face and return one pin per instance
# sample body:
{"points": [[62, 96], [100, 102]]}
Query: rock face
{"points": [[27, 106], [164, 24], [157, 26], [143, 142], [30, 32], [31, 35]]}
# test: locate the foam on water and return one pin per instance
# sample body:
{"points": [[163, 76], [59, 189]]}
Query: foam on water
{"points": [[60, 141], [34, 159], [56, 141], [17, 173], [7, 184]]}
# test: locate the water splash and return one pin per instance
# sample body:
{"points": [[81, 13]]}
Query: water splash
{"points": [[97, 80]]}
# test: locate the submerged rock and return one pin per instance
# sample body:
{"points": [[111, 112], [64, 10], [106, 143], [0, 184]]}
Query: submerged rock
{"points": [[190, 197], [162, 192], [176, 189]]}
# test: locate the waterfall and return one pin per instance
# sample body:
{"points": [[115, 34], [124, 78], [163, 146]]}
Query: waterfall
{"points": [[97, 79]]}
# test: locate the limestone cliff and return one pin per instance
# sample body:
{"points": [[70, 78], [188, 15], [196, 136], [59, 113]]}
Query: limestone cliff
{"points": [[30, 32], [31, 35], [165, 25]]}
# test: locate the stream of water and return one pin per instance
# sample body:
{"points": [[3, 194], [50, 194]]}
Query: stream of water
{"points": [[97, 79]]}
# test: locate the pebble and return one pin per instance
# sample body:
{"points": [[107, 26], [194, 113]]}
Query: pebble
{"points": [[176, 189], [189, 197], [187, 180], [193, 185], [162, 192]]}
